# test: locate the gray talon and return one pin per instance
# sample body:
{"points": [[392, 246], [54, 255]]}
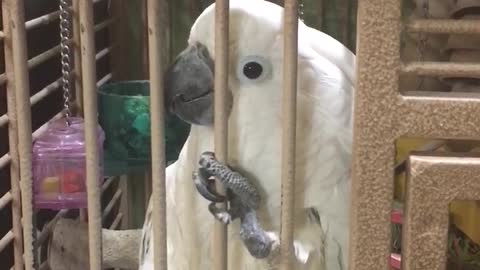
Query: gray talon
{"points": [[234, 181], [254, 237], [243, 199], [228, 215], [206, 187], [220, 214]]}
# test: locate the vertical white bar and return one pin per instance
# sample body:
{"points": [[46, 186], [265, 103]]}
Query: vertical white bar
{"points": [[219, 237], [77, 57], [13, 143], [290, 56], [157, 112], [16, 9], [77, 78], [87, 38]]}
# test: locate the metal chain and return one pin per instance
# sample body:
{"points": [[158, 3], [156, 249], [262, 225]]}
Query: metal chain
{"points": [[300, 11], [65, 56], [422, 42]]}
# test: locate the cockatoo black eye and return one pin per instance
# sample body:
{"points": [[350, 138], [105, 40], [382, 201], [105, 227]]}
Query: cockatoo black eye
{"points": [[253, 69]]}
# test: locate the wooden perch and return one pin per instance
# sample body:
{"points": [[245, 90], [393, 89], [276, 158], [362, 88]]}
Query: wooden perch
{"points": [[68, 247]]}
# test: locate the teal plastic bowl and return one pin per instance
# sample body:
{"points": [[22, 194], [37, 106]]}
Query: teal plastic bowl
{"points": [[124, 114]]}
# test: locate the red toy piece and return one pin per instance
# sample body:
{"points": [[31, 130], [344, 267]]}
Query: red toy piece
{"points": [[72, 182]]}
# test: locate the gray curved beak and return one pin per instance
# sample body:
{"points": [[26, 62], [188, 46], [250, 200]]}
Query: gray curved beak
{"points": [[189, 86]]}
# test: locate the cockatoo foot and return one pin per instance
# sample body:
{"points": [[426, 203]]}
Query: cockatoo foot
{"points": [[258, 242], [243, 199], [225, 216], [205, 185], [210, 168], [301, 253]]}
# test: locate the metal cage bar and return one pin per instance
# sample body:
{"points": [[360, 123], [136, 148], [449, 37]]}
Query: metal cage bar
{"points": [[115, 199], [54, 86], [40, 95], [104, 80], [5, 159], [90, 115], [47, 55], [16, 10], [4, 119], [442, 69], [219, 235], [19, 103], [103, 25], [77, 56], [47, 229], [42, 20], [116, 221], [290, 56], [157, 111], [6, 240], [444, 26], [5, 199], [13, 144], [37, 22], [37, 60]]}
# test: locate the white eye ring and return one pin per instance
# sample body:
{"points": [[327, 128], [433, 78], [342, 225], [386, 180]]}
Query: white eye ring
{"points": [[254, 69]]}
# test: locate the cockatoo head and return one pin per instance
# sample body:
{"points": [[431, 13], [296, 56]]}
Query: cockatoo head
{"points": [[255, 57]]}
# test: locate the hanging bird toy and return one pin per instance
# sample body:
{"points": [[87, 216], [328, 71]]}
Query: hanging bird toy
{"points": [[59, 166]]}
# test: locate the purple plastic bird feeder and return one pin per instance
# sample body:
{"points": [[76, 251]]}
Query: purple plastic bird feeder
{"points": [[59, 166]]}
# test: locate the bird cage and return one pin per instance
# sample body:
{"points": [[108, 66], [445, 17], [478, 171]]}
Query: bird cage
{"points": [[414, 187]]}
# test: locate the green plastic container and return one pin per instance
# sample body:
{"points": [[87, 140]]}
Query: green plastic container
{"points": [[124, 114]]}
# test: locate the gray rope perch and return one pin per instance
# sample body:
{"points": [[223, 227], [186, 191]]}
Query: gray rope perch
{"points": [[68, 247]]}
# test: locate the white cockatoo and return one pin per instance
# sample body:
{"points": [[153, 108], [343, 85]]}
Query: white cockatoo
{"points": [[252, 177]]}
